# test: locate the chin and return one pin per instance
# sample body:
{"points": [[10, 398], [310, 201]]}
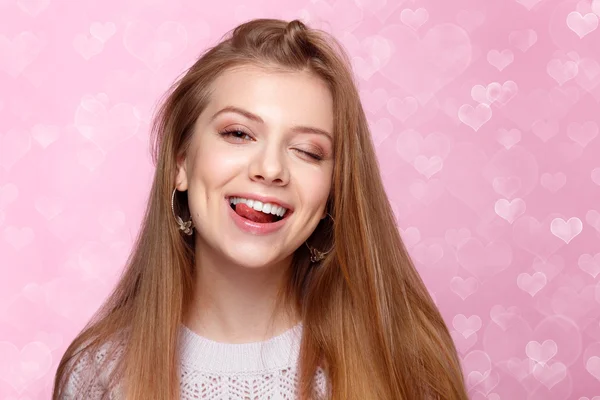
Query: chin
{"points": [[258, 261]]}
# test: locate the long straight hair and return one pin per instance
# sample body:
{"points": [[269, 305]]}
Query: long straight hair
{"points": [[368, 319]]}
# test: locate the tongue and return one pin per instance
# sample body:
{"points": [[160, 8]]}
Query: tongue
{"points": [[253, 215]]}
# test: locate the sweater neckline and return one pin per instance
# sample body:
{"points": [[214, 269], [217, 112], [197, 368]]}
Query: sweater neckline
{"points": [[207, 355]]}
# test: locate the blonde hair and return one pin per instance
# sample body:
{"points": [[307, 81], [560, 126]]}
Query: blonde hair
{"points": [[368, 319]]}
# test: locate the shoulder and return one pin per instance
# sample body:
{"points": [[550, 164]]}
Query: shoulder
{"points": [[91, 368], [321, 386]]}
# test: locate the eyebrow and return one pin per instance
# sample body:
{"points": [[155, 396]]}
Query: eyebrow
{"points": [[256, 118]]}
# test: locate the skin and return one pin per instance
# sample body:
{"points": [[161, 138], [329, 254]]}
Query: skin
{"points": [[239, 273]]}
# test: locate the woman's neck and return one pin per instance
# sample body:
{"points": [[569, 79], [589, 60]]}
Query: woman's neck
{"points": [[237, 304]]}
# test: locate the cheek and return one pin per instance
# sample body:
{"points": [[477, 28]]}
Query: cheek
{"points": [[215, 163], [315, 187], [222, 156]]}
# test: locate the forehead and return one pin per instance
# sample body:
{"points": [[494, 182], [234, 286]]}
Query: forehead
{"points": [[285, 98]]}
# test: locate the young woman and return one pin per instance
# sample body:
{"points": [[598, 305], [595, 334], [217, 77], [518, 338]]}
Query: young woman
{"points": [[269, 264]]}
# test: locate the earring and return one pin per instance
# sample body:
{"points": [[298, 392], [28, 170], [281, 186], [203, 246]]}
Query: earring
{"points": [[316, 255], [186, 227]]}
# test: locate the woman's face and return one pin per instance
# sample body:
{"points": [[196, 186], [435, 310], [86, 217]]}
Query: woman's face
{"points": [[262, 158]]}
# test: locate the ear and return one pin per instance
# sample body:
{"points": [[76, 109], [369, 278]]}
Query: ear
{"points": [[181, 181]]}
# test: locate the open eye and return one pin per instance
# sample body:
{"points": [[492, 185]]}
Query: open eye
{"points": [[234, 132]]}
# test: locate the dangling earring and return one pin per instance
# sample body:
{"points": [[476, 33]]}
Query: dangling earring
{"points": [[316, 255], [186, 227]]}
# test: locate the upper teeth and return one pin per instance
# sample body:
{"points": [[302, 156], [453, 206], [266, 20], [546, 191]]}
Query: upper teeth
{"points": [[267, 208]]}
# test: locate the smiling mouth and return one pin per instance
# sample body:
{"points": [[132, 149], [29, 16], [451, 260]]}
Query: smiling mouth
{"points": [[276, 218]]}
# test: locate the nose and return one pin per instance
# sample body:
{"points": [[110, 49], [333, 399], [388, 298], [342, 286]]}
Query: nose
{"points": [[268, 166]]}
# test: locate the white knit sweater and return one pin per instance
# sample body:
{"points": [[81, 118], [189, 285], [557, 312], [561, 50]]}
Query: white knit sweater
{"points": [[214, 370]]}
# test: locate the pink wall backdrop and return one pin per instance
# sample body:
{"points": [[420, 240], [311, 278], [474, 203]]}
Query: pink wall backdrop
{"points": [[485, 116]]}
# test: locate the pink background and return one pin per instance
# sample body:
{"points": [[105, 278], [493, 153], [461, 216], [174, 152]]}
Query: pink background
{"points": [[485, 116]]}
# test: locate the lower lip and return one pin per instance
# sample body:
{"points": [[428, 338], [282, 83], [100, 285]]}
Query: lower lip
{"points": [[255, 228]]}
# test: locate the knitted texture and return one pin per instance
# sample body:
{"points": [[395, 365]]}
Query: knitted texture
{"points": [[213, 370], [267, 385], [89, 379]]}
